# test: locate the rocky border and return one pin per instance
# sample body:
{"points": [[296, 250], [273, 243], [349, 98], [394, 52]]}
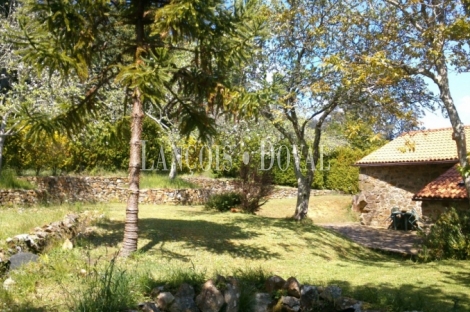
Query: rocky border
{"points": [[223, 294], [36, 242]]}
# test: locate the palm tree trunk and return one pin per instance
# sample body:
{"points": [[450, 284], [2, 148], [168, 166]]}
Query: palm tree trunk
{"points": [[131, 228]]}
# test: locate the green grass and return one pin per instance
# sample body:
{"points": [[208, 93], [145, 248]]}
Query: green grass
{"points": [[155, 180], [9, 180], [180, 242]]}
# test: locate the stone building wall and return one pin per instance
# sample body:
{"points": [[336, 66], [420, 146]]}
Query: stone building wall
{"points": [[433, 208], [384, 187], [65, 189]]}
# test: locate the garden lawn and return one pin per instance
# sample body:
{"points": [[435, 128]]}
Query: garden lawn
{"points": [[176, 238]]}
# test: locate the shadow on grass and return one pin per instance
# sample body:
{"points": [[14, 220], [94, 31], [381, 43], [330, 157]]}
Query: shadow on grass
{"points": [[323, 243], [406, 297], [210, 236]]}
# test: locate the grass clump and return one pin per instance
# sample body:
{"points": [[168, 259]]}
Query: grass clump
{"points": [[107, 290], [223, 202], [174, 277], [9, 180], [153, 180]]}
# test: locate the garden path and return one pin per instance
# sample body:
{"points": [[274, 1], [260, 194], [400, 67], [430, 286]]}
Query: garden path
{"points": [[401, 242]]}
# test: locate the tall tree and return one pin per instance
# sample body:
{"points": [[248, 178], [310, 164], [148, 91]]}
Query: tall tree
{"points": [[137, 43], [428, 38], [314, 58]]}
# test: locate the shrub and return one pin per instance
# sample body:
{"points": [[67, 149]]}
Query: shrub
{"points": [[223, 202], [449, 237], [342, 175], [255, 185]]}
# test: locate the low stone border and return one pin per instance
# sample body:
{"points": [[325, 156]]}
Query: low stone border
{"points": [[35, 242], [223, 294]]}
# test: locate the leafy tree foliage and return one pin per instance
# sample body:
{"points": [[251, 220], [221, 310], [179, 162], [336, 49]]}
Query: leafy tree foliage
{"points": [[429, 39], [138, 44], [315, 67]]}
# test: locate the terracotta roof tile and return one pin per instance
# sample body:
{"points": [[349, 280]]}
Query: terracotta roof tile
{"points": [[447, 186], [435, 145]]}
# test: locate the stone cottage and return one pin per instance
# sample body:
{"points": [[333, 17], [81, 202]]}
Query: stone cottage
{"points": [[416, 170]]}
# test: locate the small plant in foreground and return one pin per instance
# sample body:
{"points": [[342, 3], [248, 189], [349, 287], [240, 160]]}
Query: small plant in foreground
{"points": [[449, 237], [223, 202], [105, 290], [251, 282]]}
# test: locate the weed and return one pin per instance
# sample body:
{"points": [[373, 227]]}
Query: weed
{"points": [[107, 289], [9, 180]]}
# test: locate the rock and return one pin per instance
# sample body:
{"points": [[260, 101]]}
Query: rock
{"points": [[308, 298], [274, 283], [184, 300], [263, 302], [155, 291], [185, 290], [232, 295], [210, 299], [164, 300], [292, 286], [8, 283], [348, 303], [332, 294], [67, 245], [22, 258], [148, 307], [290, 304]]}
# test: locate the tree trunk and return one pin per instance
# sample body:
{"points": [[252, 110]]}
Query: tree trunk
{"points": [[303, 198], [457, 125], [3, 136], [132, 211], [2, 144], [174, 159], [304, 185]]}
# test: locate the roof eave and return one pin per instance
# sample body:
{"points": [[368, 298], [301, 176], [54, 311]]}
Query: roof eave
{"points": [[410, 163], [438, 198]]}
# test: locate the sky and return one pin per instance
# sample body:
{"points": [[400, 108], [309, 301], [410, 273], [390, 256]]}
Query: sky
{"points": [[460, 91]]}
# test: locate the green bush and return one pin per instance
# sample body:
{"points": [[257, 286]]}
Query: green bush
{"points": [[255, 185], [223, 202], [342, 175], [449, 237]]}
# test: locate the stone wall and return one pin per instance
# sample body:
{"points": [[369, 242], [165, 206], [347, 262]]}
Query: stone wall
{"points": [[384, 187], [65, 189], [433, 208]]}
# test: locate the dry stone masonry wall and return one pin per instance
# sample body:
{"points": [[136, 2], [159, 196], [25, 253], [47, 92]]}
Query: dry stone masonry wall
{"points": [[385, 187], [64, 189], [224, 293]]}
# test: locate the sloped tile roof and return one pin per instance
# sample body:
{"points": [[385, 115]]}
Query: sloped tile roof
{"points": [[447, 186], [428, 146]]}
